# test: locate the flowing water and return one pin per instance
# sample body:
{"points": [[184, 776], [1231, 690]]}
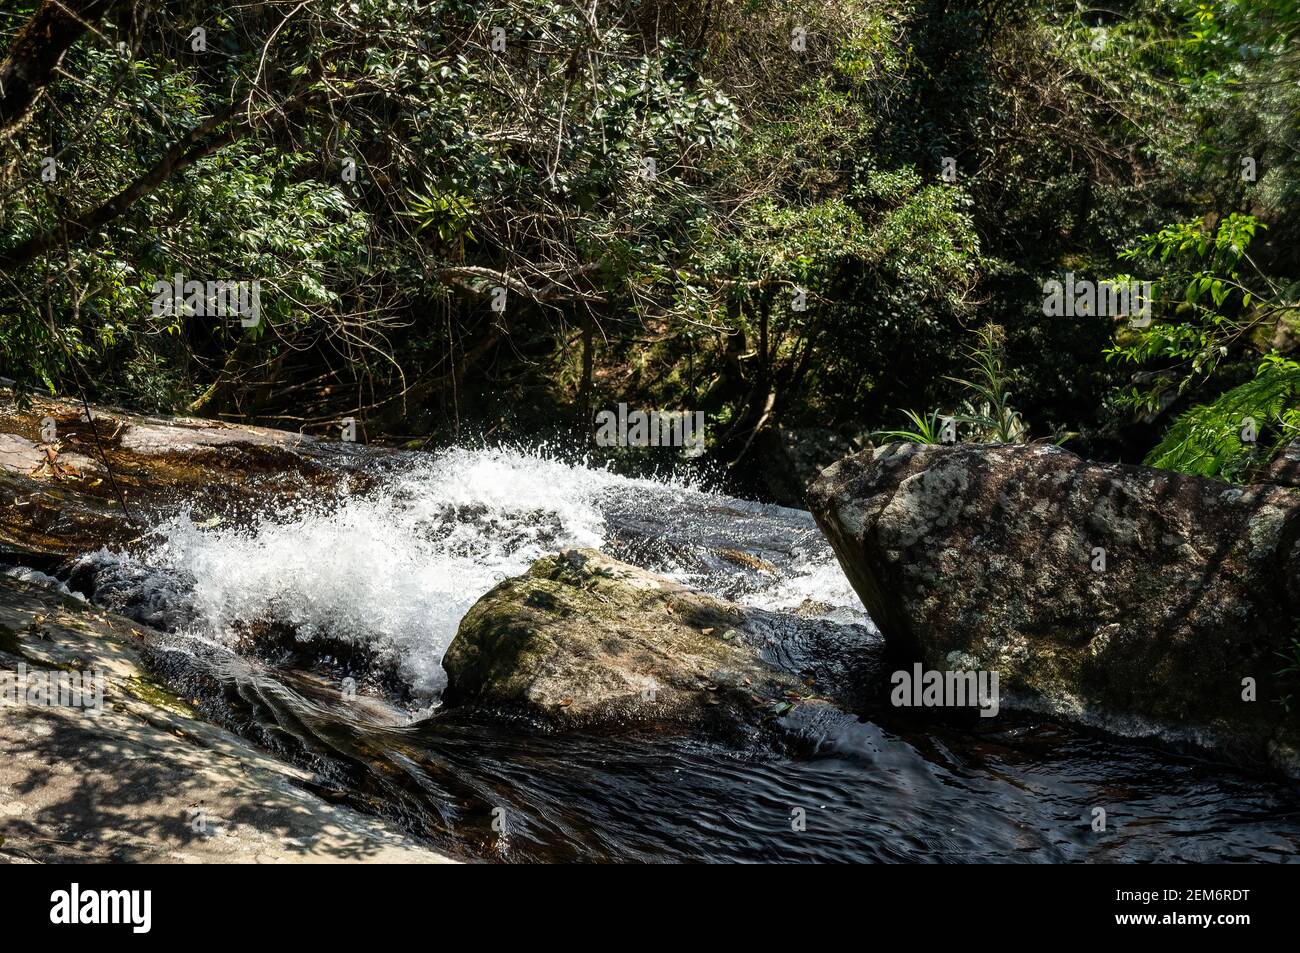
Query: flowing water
{"points": [[269, 615]]}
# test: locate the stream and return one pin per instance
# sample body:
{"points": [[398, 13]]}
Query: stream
{"points": [[273, 618]]}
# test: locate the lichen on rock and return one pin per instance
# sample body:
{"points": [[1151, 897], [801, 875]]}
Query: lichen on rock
{"points": [[1119, 595]]}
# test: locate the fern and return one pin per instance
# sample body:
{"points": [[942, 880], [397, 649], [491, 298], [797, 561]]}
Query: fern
{"points": [[1207, 440]]}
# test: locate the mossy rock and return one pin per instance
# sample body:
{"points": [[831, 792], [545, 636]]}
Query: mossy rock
{"points": [[583, 639]]}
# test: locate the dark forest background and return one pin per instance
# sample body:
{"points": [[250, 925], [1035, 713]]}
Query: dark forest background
{"points": [[811, 219]]}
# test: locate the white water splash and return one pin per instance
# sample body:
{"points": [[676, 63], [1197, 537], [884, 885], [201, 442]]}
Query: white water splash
{"points": [[398, 569]]}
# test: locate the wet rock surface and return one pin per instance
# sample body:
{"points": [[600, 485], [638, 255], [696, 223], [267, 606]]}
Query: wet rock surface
{"points": [[69, 484], [1137, 599], [145, 779]]}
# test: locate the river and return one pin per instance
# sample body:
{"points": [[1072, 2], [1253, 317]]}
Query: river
{"points": [[274, 618]]}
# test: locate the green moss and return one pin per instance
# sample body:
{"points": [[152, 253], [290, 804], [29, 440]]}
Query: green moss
{"points": [[145, 689]]}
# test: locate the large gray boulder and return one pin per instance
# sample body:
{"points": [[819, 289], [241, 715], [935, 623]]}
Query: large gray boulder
{"points": [[1145, 601]]}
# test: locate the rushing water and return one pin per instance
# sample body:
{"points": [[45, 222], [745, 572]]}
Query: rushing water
{"points": [[375, 584]]}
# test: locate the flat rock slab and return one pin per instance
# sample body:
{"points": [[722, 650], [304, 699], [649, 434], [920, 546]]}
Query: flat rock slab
{"points": [[145, 780], [1146, 601], [70, 483]]}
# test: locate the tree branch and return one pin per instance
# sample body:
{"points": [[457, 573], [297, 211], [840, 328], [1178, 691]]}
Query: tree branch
{"points": [[36, 53]]}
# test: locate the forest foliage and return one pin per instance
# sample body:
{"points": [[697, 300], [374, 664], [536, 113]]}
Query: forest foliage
{"points": [[494, 218]]}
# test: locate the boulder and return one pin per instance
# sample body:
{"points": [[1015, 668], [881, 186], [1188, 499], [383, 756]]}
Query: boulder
{"points": [[1141, 600], [582, 639]]}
